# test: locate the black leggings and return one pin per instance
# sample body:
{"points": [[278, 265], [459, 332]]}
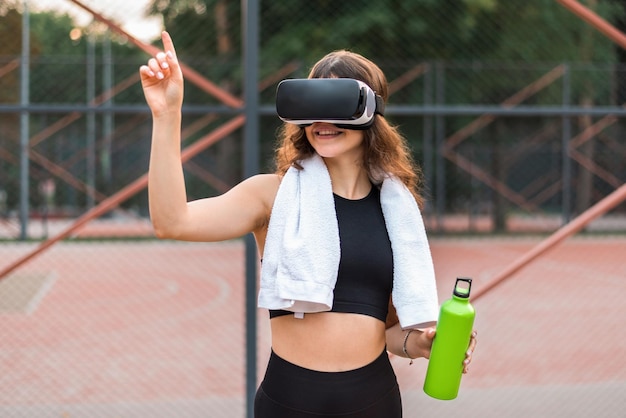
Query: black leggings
{"points": [[291, 391]]}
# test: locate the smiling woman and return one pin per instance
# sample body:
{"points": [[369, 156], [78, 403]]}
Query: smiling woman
{"points": [[331, 226]]}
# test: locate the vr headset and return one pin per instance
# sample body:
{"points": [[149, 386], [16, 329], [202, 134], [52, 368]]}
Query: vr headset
{"points": [[344, 102]]}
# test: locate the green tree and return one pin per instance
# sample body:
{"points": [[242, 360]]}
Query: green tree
{"points": [[489, 49]]}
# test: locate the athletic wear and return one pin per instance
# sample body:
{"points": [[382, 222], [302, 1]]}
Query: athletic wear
{"points": [[291, 391], [364, 283], [365, 275]]}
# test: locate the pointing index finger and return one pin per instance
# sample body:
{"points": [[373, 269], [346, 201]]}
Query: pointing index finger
{"points": [[168, 45]]}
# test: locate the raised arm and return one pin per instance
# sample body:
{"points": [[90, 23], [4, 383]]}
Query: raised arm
{"points": [[243, 209]]}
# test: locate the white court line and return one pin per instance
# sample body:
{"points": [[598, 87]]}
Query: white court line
{"points": [[35, 301]]}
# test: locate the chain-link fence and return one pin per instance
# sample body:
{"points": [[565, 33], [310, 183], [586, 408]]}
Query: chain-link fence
{"points": [[514, 110]]}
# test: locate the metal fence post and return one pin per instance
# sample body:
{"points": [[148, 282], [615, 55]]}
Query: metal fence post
{"points": [[440, 137], [427, 141], [90, 135], [24, 122], [566, 135], [250, 18]]}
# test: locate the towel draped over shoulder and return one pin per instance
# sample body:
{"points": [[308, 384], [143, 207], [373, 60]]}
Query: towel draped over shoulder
{"points": [[302, 252]]}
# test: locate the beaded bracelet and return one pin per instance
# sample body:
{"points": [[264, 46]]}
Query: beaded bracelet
{"points": [[406, 337]]}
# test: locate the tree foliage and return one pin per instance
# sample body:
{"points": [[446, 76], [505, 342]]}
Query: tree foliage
{"points": [[484, 50], [392, 33]]}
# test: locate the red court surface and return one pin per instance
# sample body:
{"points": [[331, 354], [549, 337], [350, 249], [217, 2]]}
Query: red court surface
{"points": [[155, 329]]}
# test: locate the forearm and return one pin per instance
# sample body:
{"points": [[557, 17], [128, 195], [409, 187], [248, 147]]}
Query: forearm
{"points": [[166, 185], [395, 340], [409, 343]]}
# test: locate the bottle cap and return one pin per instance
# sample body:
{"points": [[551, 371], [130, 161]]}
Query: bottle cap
{"points": [[462, 291]]}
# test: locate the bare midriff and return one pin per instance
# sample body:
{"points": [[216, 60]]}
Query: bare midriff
{"points": [[328, 341]]}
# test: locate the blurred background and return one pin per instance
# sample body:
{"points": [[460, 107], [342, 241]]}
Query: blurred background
{"points": [[514, 110]]}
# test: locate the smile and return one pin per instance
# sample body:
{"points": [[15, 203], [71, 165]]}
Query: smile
{"points": [[327, 132]]}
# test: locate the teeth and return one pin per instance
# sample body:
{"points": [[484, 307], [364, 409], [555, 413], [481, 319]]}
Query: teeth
{"points": [[327, 132]]}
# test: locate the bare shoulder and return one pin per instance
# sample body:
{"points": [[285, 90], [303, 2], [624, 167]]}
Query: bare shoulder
{"points": [[260, 188], [264, 180], [264, 186]]}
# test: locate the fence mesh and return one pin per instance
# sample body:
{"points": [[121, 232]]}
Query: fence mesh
{"points": [[513, 109]]}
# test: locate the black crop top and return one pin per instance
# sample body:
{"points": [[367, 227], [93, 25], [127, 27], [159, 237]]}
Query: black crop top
{"points": [[365, 275]]}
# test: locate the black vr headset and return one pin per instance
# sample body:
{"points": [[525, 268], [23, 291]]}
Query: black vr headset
{"points": [[344, 102]]}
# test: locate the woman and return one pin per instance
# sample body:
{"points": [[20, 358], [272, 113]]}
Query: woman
{"points": [[331, 363]]}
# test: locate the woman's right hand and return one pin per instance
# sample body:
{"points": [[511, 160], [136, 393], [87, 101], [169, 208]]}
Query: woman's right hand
{"points": [[162, 80]]}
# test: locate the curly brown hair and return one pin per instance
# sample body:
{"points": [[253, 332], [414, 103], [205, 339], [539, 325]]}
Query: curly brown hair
{"points": [[385, 149]]}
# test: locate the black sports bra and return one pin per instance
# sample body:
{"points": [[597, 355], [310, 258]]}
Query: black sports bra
{"points": [[365, 275]]}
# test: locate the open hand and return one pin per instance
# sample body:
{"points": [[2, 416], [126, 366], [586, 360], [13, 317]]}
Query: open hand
{"points": [[423, 344], [162, 79]]}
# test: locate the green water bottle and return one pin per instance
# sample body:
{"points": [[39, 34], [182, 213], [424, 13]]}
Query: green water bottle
{"points": [[454, 330]]}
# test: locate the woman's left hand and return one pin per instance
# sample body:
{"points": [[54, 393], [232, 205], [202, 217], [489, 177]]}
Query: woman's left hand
{"points": [[469, 352]]}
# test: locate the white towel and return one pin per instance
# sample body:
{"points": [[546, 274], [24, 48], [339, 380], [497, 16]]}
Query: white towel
{"points": [[302, 252]]}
